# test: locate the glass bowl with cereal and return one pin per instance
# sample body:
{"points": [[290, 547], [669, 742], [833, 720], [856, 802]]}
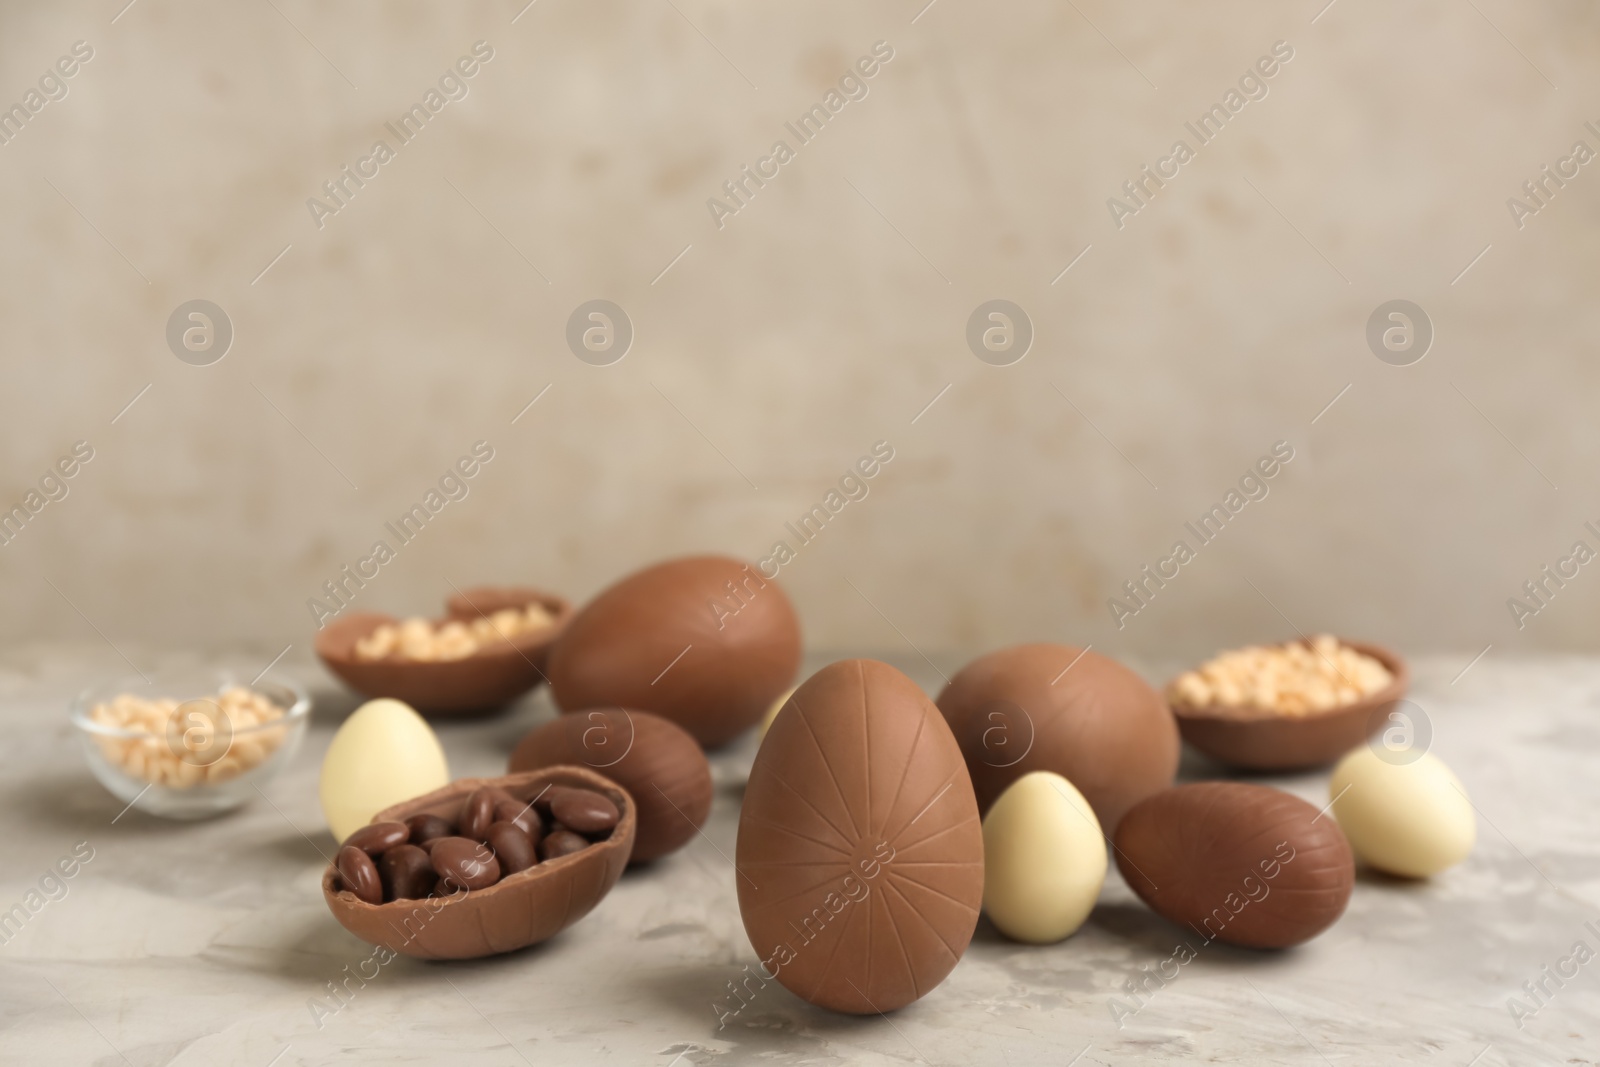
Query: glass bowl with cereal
{"points": [[1287, 707], [190, 744]]}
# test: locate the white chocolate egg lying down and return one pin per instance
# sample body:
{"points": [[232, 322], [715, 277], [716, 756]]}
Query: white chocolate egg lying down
{"points": [[1407, 818]]}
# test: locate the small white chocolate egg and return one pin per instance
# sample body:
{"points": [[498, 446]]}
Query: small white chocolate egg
{"points": [[384, 753], [1044, 859], [1412, 819]]}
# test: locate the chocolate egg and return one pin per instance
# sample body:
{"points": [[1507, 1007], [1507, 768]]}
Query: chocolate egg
{"points": [[1239, 863], [491, 677], [706, 642], [860, 855], [1065, 710], [656, 761], [520, 909], [1261, 739], [1405, 813]]}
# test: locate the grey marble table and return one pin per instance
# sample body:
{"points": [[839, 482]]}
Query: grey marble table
{"points": [[207, 943]]}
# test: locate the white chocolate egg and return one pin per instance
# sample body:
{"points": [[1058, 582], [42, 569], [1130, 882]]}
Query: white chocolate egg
{"points": [[1411, 819], [384, 753], [1044, 859]]}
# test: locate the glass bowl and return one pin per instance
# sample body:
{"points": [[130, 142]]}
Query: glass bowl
{"points": [[202, 754]]}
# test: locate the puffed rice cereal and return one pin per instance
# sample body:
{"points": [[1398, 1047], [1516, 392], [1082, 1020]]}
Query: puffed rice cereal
{"points": [[1291, 679], [422, 641], [177, 743]]}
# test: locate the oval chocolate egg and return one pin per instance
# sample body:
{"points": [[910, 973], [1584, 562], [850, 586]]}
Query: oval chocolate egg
{"points": [[1068, 711], [1239, 863], [704, 642], [656, 761], [523, 908], [860, 854]]}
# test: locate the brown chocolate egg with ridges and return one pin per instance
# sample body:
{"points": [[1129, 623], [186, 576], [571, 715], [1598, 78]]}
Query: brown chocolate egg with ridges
{"points": [[706, 642], [1058, 708], [860, 854], [656, 761], [1235, 862]]}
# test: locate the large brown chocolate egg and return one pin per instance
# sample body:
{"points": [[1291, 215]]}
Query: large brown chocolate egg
{"points": [[1235, 862], [1065, 710], [656, 761], [705, 642], [860, 854]]}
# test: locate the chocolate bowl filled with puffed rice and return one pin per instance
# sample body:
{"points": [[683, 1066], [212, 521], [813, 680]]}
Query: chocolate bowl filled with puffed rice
{"points": [[488, 650], [190, 744], [1288, 707]]}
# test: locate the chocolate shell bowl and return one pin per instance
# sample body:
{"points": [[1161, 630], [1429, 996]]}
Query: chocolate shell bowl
{"points": [[1263, 739], [519, 910], [489, 678]]}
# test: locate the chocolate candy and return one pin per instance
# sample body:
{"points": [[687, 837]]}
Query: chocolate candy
{"points": [[561, 842], [705, 642], [407, 873], [860, 854], [359, 876], [1407, 817], [425, 827], [582, 810], [378, 837], [511, 910], [1234, 862], [656, 761], [477, 814], [1062, 709], [522, 814], [464, 863], [512, 847]]}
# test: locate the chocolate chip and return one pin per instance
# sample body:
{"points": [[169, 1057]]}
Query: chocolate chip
{"points": [[427, 827], [407, 873], [512, 847], [583, 810], [359, 875], [523, 814], [377, 838], [465, 863], [561, 842], [477, 814]]}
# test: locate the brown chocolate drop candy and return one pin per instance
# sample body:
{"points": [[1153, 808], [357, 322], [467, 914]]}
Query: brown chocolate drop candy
{"points": [[561, 842], [425, 828], [460, 862], [512, 847], [583, 811], [477, 814], [520, 813], [359, 875], [377, 838], [407, 873]]}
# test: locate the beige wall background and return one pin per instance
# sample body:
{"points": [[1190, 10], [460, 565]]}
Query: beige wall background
{"points": [[770, 354]]}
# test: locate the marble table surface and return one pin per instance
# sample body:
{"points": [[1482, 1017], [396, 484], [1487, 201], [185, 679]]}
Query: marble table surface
{"points": [[207, 943]]}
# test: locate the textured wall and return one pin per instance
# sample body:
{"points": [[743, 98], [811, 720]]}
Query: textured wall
{"points": [[818, 319]]}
